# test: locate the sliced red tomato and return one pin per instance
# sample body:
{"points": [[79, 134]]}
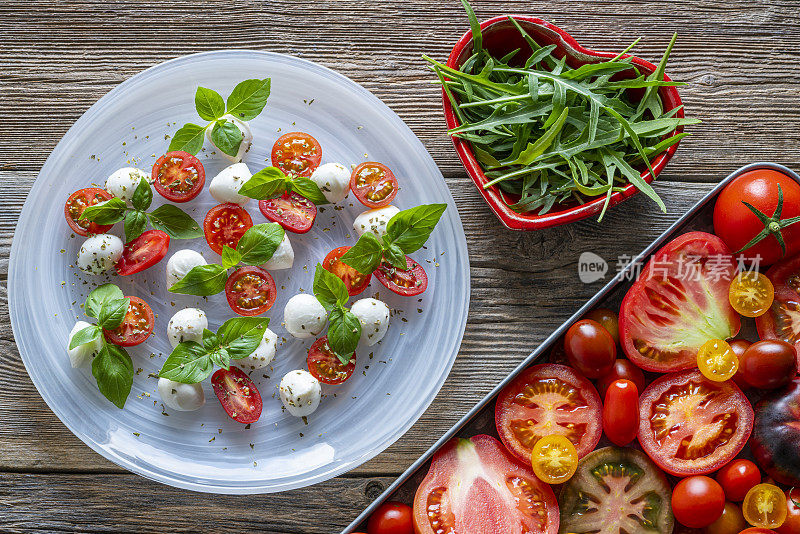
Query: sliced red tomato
{"points": [[79, 201], [136, 326], [782, 321], [374, 184], [225, 224], [296, 154], [679, 302], [408, 283], [238, 394], [143, 252], [474, 485], [294, 212], [178, 176], [250, 291], [355, 281], [548, 399], [690, 425], [326, 366]]}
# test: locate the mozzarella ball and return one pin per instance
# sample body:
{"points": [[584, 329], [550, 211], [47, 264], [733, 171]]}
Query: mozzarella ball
{"points": [[374, 220], [304, 316], [187, 325], [225, 186], [247, 139], [374, 318], [300, 393], [99, 253], [283, 258], [123, 182], [333, 180], [264, 353], [181, 397], [82, 354], [181, 263]]}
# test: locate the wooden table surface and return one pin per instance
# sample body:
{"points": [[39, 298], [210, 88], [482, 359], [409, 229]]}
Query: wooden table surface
{"points": [[57, 58]]}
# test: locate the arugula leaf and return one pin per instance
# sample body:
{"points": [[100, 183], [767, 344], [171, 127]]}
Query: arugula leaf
{"points": [[85, 335], [230, 257], [248, 99], [209, 104], [241, 336], [226, 136], [103, 293], [109, 211], [203, 280], [365, 256], [329, 289], [142, 195], [175, 222], [135, 224], [411, 228], [112, 368], [394, 255], [309, 189], [259, 243], [344, 332], [189, 138], [266, 183], [189, 363], [112, 313]]}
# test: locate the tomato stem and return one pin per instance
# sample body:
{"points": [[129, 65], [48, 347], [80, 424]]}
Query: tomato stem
{"points": [[772, 225]]}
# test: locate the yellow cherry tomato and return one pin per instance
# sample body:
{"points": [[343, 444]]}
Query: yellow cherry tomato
{"points": [[765, 506], [751, 294], [717, 361], [554, 459]]}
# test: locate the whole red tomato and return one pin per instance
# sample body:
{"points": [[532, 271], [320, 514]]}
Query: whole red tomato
{"points": [[621, 412], [769, 364], [792, 523], [623, 369], [590, 348], [739, 346], [697, 501], [738, 225], [391, 518], [737, 478]]}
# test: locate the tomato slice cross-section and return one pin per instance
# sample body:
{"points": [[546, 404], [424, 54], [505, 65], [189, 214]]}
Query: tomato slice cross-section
{"points": [[355, 281], [178, 176], [782, 321], [136, 326], [79, 201], [297, 154], [292, 211], [374, 184], [225, 224]]}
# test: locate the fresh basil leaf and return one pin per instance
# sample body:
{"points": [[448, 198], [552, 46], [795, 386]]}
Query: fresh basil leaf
{"points": [[210, 340], [259, 243], [85, 335], [175, 222], [189, 363], [142, 195], [344, 332], [365, 255], [395, 256], [135, 223], [309, 189], [112, 313], [227, 137], [188, 139], [209, 104], [248, 99], [241, 336], [203, 280], [329, 289], [113, 370], [109, 211], [411, 228], [266, 183], [221, 358], [230, 257], [95, 300]]}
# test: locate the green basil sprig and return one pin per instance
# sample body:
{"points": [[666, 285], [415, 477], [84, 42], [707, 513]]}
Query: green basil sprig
{"points": [[406, 232], [168, 218], [344, 328], [271, 182], [191, 362], [245, 102], [255, 247]]}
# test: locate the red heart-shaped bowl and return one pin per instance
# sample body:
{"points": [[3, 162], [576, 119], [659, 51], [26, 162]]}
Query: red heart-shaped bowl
{"points": [[501, 37]]}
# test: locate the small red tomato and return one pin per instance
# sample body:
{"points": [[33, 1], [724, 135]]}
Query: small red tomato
{"points": [[622, 370], [590, 348], [238, 394], [737, 478], [758, 530], [697, 501], [792, 523], [730, 522], [391, 518], [739, 346], [769, 364], [621, 412], [607, 319]]}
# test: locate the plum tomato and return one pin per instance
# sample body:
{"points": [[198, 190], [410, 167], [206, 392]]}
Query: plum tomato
{"points": [[250, 291], [769, 364], [690, 425], [143, 252], [621, 412], [730, 522], [765, 506], [296, 154], [697, 501], [292, 211], [608, 319], [737, 478], [717, 361], [751, 294], [639, 501], [757, 530], [792, 523], [407, 282], [679, 302], [136, 326], [777, 432], [782, 321], [554, 459], [238, 394], [326, 367], [225, 224], [79, 201], [391, 518], [622, 369], [474, 485], [548, 399], [590, 348], [178, 176], [738, 346], [373, 184], [355, 282]]}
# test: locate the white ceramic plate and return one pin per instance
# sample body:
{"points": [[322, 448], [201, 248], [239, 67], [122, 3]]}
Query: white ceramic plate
{"points": [[205, 450]]}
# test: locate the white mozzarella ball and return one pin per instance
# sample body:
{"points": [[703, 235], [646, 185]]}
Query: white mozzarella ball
{"points": [[225, 186], [181, 397], [333, 179], [374, 220], [181, 263], [264, 353], [374, 318], [247, 139], [99, 253], [304, 316], [82, 354], [123, 182], [187, 325], [283, 258], [300, 393]]}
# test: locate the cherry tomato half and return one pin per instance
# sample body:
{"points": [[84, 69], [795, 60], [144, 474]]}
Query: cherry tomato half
{"points": [[717, 361], [355, 281], [554, 459], [751, 294], [590, 348], [697, 501], [296, 154], [143, 252], [608, 319], [225, 224], [622, 369], [79, 201], [292, 211], [136, 326], [373, 184], [792, 523], [178, 176], [621, 412], [738, 346], [238, 394], [391, 518], [250, 291], [737, 478], [769, 364], [408, 283], [325, 366], [730, 522], [765, 506]]}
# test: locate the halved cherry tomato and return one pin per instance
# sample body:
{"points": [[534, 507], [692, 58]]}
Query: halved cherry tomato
{"points": [[238, 394], [697, 501], [250, 291], [391, 518], [408, 283], [690, 425], [738, 346], [621, 412], [792, 523], [765, 506], [355, 281], [374, 184], [717, 361], [545, 400], [77, 202], [730, 522], [292, 211], [326, 366], [769, 364], [590, 348], [297, 154], [178, 176], [751, 294], [737, 478], [782, 321], [622, 369], [136, 326], [143, 252], [554, 459], [608, 319], [225, 224], [474, 485]]}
